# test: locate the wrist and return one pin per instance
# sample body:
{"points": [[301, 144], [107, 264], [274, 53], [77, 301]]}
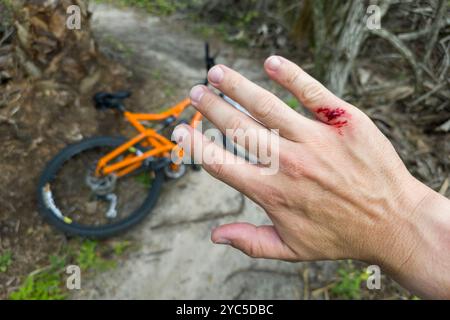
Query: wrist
{"points": [[420, 242]]}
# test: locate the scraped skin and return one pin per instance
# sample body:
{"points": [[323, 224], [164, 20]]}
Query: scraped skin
{"points": [[341, 190]]}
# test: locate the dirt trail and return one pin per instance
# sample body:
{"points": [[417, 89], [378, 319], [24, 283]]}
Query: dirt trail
{"points": [[176, 258]]}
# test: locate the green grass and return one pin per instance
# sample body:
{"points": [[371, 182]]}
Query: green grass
{"points": [[293, 103], [145, 179], [48, 283], [5, 261], [349, 281], [43, 284], [89, 258], [120, 247]]}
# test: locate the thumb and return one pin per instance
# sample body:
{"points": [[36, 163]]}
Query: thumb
{"points": [[254, 241]]}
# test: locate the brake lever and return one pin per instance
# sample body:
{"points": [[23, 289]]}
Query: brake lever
{"points": [[209, 60]]}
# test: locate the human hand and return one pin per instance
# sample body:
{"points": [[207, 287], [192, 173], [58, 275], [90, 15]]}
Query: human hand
{"points": [[341, 190]]}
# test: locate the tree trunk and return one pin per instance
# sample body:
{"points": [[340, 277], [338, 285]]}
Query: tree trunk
{"points": [[339, 33], [347, 48]]}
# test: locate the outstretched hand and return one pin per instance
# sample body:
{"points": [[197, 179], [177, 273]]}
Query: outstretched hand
{"points": [[341, 190]]}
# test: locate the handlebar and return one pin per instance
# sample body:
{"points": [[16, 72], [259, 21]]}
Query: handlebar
{"points": [[209, 61]]}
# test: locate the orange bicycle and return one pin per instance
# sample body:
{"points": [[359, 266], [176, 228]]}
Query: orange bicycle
{"points": [[103, 185]]}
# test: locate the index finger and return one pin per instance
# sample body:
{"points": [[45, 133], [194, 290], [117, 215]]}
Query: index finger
{"points": [[311, 93]]}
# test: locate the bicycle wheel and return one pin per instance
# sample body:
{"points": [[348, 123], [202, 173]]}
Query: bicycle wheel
{"points": [[72, 199]]}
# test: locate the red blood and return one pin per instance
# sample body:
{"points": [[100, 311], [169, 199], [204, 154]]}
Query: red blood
{"points": [[339, 124], [331, 114], [334, 117]]}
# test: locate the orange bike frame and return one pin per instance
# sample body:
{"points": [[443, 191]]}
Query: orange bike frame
{"points": [[161, 146]]}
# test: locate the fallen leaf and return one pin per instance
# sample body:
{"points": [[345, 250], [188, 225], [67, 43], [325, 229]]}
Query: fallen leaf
{"points": [[23, 35], [89, 82], [38, 23], [57, 25], [445, 127]]}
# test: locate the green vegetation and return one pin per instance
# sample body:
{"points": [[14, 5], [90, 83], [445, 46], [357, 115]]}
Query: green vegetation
{"points": [[232, 32], [231, 27], [43, 284], [5, 14], [88, 257], [169, 91], [159, 7], [293, 103], [5, 261], [48, 283], [120, 247], [156, 74], [119, 46], [7, 3], [350, 279], [145, 178]]}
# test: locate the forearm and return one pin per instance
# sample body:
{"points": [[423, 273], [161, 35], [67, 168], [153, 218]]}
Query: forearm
{"points": [[426, 242]]}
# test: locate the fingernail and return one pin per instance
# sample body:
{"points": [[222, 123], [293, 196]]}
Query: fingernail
{"points": [[273, 63], [179, 134], [197, 93], [215, 75], [222, 241]]}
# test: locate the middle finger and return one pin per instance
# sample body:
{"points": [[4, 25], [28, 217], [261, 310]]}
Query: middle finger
{"points": [[236, 125]]}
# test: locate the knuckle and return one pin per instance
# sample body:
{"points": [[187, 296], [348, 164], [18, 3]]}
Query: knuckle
{"points": [[265, 107], [207, 103], [235, 127], [292, 165], [270, 197], [253, 250], [312, 93], [234, 83], [292, 78], [216, 169]]}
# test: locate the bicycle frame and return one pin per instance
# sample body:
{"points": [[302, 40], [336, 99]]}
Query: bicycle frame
{"points": [[162, 147]]}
